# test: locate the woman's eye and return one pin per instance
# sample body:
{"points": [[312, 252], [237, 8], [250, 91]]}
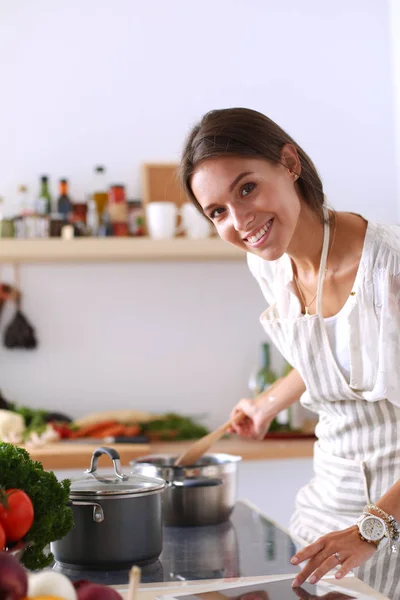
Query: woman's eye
{"points": [[247, 188], [216, 212]]}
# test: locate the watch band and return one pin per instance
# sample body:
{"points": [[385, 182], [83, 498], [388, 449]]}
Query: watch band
{"points": [[392, 526], [377, 543]]}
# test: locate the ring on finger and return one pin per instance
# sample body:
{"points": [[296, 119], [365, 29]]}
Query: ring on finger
{"points": [[337, 556]]}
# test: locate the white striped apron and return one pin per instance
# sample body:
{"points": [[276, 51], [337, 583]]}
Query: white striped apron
{"points": [[356, 456]]}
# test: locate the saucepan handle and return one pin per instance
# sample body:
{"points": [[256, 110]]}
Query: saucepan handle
{"points": [[113, 454], [196, 482], [98, 514]]}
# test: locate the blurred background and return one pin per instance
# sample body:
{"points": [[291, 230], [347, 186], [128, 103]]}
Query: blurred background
{"points": [[119, 84]]}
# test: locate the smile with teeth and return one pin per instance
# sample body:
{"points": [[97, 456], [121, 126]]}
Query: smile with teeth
{"points": [[253, 239]]}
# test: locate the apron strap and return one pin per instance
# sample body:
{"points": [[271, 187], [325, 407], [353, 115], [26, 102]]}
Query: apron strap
{"points": [[322, 264]]}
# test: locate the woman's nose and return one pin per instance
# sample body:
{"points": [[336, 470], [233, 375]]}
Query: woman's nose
{"points": [[242, 217]]}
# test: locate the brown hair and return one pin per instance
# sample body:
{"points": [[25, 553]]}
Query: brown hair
{"points": [[248, 133]]}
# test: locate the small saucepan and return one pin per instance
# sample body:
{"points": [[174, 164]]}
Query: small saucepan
{"points": [[199, 494], [118, 519]]}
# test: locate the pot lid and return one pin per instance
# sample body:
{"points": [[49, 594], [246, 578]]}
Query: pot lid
{"points": [[116, 483]]}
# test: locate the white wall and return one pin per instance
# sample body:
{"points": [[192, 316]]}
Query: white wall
{"points": [[119, 83], [395, 44]]}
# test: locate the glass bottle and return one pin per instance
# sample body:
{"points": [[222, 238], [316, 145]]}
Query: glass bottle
{"points": [[64, 204], [44, 200], [100, 193], [295, 414], [264, 378], [92, 218]]}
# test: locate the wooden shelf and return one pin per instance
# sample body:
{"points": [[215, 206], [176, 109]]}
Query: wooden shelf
{"points": [[116, 249]]}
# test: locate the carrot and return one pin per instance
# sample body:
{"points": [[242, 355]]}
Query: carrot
{"points": [[112, 430], [94, 429], [131, 430]]}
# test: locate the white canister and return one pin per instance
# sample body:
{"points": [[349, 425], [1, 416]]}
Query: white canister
{"points": [[161, 218], [194, 224]]}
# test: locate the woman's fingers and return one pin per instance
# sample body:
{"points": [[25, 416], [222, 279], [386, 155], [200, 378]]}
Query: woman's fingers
{"points": [[346, 567], [308, 552], [316, 568]]}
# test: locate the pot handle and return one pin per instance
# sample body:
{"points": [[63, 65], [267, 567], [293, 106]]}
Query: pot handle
{"points": [[113, 454], [98, 514], [197, 482]]}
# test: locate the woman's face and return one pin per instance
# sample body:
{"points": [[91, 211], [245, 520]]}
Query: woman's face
{"points": [[252, 202]]}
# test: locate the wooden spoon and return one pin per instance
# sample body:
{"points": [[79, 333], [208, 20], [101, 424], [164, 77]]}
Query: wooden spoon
{"points": [[134, 582], [199, 447]]}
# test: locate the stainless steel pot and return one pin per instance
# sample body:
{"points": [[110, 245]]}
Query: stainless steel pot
{"points": [[200, 494], [118, 519]]}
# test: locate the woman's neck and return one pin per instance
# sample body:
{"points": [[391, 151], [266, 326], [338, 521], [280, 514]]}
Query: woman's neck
{"points": [[306, 244]]}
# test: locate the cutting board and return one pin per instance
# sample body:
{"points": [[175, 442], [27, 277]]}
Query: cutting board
{"points": [[160, 183], [63, 455]]}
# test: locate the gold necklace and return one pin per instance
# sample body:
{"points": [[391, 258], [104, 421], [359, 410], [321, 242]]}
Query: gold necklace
{"points": [[307, 306]]}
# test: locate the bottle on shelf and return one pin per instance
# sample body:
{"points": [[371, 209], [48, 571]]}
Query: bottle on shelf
{"points": [[92, 218], [43, 205], [100, 194], [24, 207], [64, 204], [264, 378], [106, 226], [295, 411]]}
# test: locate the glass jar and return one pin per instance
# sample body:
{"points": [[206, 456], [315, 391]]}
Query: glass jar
{"points": [[135, 217]]}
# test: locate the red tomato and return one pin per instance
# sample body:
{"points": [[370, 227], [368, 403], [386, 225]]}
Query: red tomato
{"points": [[16, 514], [2, 539]]}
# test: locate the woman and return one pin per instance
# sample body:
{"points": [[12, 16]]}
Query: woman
{"points": [[332, 283]]}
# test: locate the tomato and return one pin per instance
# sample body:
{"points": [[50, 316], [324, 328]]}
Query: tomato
{"points": [[2, 539], [16, 514]]}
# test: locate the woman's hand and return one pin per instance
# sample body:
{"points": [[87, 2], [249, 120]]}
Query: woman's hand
{"points": [[344, 548], [257, 418]]}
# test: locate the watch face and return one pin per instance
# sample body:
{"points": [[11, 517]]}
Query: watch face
{"points": [[373, 528]]}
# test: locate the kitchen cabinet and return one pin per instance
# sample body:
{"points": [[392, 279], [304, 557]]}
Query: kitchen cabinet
{"points": [[116, 249]]}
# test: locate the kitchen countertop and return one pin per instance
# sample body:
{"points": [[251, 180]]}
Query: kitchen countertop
{"points": [[71, 455], [248, 548]]}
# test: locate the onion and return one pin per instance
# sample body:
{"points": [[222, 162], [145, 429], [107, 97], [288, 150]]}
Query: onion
{"points": [[13, 578], [50, 583], [95, 591]]}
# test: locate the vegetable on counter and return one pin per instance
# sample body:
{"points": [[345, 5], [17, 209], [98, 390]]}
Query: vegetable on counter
{"points": [[95, 591], [12, 426], [173, 427], [16, 513], [17, 584], [52, 517], [2, 538], [50, 583], [21, 424], [13, 577]]}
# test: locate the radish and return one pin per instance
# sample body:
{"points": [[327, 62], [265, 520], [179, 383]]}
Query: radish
{"points": [[95, 591], [13, 578]]}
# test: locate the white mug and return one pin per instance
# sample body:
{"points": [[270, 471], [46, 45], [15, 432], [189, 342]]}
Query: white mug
{"points": [[161, 218], [194, 224]]}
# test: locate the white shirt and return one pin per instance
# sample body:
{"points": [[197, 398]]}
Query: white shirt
{"points": [[337, 330], [372, 312]]}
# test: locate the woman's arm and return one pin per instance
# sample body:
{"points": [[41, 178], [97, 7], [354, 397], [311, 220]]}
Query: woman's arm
{"points": [[347, 544], [261, 411]]}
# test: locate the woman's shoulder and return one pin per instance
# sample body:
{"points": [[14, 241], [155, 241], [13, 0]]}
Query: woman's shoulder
{"points": [[267, 273], [265, 269], [385, 245]]}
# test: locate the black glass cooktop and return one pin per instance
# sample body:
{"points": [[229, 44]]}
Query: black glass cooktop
{"points": [[247, 545]]}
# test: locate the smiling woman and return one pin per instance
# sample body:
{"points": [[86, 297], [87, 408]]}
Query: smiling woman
{"points": [[332, 282]]}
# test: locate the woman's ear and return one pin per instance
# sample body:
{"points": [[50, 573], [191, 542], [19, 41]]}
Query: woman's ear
{"points": [[290, 159]]}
